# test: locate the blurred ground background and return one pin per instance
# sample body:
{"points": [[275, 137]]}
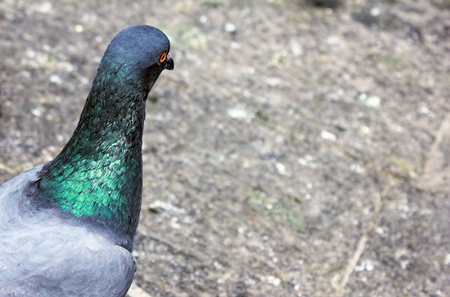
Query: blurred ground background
{"points": [[295, 150]]}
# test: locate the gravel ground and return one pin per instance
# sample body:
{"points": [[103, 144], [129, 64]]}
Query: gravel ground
{"points": [[295, 150]]}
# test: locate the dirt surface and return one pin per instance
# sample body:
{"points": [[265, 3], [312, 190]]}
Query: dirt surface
{"points": [[294, 151]]}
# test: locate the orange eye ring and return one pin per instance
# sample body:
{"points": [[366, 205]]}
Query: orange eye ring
{"points": [[163, 57]]}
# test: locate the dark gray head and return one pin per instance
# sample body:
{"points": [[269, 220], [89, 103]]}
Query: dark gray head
{"points": [[139, 52]]}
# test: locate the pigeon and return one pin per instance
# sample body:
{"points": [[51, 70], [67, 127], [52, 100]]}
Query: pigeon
{"points": [[67, 226]]}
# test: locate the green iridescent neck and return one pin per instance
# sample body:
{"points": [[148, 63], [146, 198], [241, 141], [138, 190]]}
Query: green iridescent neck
{"points": [[98, 174]]}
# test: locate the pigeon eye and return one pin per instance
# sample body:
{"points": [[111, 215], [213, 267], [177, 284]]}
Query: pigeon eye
{"points": [[163, 57]]}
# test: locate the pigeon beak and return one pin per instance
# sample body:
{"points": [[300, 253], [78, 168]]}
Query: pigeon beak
{"points": [[169, 62]]}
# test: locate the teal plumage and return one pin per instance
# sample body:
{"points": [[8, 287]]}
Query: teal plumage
{"points": [[86, 201]]}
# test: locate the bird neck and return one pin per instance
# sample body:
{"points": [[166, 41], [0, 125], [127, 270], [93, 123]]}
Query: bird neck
{"points": [[97, 177]]}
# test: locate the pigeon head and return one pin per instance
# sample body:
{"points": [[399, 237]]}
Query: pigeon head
{"points": [[97, 177], [138, 53]]}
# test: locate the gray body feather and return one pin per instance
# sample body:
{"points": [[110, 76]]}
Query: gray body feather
{"points": [[42, 252]]}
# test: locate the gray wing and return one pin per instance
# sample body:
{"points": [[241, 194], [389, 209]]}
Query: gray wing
{"points": [[60, 267], [41, 255]]}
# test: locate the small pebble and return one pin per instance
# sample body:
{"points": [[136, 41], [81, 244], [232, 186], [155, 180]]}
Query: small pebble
{"points": [[328, 135], [230, 28]]}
